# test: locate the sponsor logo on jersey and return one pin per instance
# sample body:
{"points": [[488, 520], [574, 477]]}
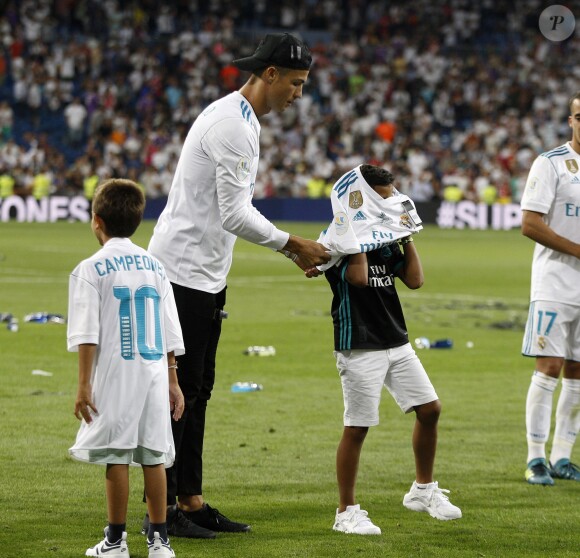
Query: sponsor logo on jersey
{"points": [[360, 216], [382, 235], [340, 223], [572, 165], [243, 169], [377, 282], [572, 210], [370, 246], [575, 180], [355, 199], [379, 276]]}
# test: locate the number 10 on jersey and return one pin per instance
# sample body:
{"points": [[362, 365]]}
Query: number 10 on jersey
{"points": [[144, 305]]}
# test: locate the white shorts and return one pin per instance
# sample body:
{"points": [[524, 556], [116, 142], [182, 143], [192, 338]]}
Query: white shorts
{"points": [[139, 455], [363, 373], [552, 330]]}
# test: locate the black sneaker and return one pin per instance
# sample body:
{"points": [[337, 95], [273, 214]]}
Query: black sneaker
{"points": [[179, 526], [210, 518]]}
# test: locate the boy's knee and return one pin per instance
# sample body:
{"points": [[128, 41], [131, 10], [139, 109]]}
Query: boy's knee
{"points": [[356, 432], [429, 412]]}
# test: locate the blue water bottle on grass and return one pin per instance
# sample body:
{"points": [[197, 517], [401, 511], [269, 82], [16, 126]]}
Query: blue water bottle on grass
{"points": [[242, 387], [442, 344]]}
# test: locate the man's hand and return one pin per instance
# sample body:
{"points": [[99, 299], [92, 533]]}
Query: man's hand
{"points": [[312, 272], [309, 271], [311, 253]]}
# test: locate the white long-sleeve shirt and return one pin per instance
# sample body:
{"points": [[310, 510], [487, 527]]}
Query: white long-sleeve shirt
{"points": [[210, 201]]}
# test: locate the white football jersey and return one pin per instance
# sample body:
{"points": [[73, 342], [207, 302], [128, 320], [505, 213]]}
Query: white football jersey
{"points": [[121, 300], [209, 203], [553, 189]]}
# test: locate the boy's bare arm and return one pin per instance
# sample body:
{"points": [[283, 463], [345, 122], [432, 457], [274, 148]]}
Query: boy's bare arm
{"points": [[412, 271], [357, 272], [84, 401], [176, 401]]}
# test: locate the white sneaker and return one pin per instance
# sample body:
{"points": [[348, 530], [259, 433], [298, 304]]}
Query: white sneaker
{"points": [[113, 550], [355, 521], [158, 548], [431, 500]]}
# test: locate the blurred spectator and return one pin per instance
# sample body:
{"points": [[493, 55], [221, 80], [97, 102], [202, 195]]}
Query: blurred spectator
{"points": [[75, 115], [471, 193], [90, 183], [41, 184], [6, 121], [150, 179], [7, 183], [489, 194], [504, 193], [452, 193], [421, 189], [316, 186], [10, 154]]}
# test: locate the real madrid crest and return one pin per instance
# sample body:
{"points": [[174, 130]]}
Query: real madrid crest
{"points": [[405, 221], [572, 165], [355, 199], [541, 342]]}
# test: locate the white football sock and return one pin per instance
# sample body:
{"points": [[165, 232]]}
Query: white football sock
{"points": [[539, 413], [567, 420]]}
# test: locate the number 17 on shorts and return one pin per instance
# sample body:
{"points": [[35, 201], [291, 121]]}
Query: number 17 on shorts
{"points": [[552, 330]]}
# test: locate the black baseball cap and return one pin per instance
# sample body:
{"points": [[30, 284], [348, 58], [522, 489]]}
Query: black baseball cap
{"points": [[277, 49]]}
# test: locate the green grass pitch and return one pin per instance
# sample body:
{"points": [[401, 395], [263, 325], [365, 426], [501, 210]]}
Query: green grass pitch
{"points": [[269, 456]]}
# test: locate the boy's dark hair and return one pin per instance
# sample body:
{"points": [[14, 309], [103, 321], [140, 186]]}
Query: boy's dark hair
{"points": [[376, 176], [120, 203]]}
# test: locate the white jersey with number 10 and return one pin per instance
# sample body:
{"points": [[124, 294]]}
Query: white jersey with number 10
{"points": [[121, 300]]}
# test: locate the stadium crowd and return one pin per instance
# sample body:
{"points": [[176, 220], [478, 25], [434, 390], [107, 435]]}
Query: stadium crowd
{"points": [[456, 98]]}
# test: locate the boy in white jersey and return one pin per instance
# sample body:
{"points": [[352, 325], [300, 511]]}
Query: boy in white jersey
{"points": [[123, 322], [551, 217]]}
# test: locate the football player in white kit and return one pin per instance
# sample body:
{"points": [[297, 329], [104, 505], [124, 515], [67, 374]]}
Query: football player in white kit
{"points": [[551, 217], [123, 322], [209, 206]]}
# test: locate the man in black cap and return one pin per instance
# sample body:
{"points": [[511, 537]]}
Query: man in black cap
{"points": [[279, 69], [208, 207]]}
